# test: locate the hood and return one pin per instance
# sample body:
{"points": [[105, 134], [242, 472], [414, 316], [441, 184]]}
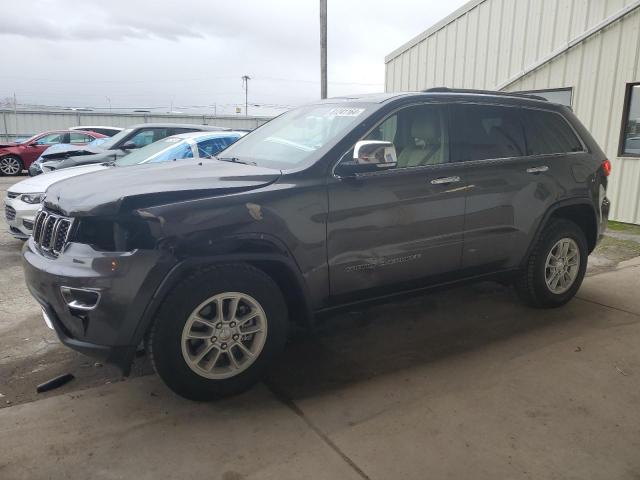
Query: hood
{"points": [[40, 183], [124, 188], [65, 150], [82, 159], [9, 144]]}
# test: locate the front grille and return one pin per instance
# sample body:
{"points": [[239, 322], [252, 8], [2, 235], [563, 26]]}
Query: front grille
{"points": [[51, 231], [9, 212], [12, 194]]}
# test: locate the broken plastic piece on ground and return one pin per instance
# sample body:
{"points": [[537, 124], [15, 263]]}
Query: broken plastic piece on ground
{"points": [[55, 382]]}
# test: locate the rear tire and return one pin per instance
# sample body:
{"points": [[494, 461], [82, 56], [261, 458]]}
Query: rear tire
{"points": [[11, 166], [555, 268], [198, 343]]}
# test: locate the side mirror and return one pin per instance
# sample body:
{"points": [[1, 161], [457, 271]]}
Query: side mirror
{"points": [[130, 145], [368, 156]]}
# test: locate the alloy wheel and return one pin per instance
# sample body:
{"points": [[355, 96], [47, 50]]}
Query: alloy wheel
{"points": [[224, 335], [562, 266], [10, 166]]}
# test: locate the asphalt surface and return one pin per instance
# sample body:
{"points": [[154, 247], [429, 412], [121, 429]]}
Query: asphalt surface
{"points": [[466, 383]]}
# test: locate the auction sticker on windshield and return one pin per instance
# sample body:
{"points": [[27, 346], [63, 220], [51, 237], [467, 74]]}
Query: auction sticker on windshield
{"points": [[346, 112]]}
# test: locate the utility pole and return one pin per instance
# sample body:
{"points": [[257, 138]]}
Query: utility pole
{"points": [[323, 48], [15, 112], [245, 83]]}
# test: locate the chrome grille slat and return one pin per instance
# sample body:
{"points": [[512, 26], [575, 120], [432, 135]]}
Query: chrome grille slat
{"points": [[51, 231], [47, 232], [12, 194], [37, 228]]}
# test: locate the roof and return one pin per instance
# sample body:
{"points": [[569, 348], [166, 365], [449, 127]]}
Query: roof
{"points": [[438, 26], [365, 97], [226, 133], [179, 125]]}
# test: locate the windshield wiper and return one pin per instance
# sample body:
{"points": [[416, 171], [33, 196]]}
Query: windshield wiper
{"points": [[234, 160]]}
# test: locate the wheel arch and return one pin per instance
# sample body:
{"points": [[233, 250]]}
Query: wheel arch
{"points": [[15, 155], [580, 211], [271, 260]]}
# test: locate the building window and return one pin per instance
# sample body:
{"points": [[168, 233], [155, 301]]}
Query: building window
{"points": [[563, 96], [630, 132]]}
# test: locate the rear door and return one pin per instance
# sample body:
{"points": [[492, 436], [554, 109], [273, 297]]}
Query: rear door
{"points": [[514, 164], [402, 224]]}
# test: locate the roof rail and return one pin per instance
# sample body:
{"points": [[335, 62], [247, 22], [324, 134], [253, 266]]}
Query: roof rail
{"points": [[483, 92]]}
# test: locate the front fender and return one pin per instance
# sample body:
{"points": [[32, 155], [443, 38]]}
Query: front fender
{"points": [[260, 259]]}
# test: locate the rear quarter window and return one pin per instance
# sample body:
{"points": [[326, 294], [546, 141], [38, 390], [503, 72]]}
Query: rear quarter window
{"points": [[549, 133]]}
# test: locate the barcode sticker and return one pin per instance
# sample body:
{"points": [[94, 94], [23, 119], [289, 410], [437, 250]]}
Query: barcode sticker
{"points": [[346, 112]]}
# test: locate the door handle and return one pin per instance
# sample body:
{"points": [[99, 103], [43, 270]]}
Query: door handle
{"points": [[445, 180], [540, 169]]}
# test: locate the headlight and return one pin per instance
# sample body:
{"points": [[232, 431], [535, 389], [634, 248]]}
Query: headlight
{"points": [[32, 198]]}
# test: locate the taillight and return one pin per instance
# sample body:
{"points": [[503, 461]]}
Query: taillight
{"points": [[606, 166]]}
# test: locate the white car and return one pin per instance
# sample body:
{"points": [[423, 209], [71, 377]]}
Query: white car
{"points": [[25, 198]]}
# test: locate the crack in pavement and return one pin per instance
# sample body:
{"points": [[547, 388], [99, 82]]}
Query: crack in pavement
{"points": [[288, 402], [608, 306]]}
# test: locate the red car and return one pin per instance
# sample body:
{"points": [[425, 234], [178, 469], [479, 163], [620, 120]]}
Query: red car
{"points": [[15, 157]]}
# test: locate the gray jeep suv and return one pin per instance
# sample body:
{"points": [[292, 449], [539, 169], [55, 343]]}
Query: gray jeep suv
{"points": [[343, 201]]}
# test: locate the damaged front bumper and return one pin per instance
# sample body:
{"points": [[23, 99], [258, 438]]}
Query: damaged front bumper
{"points": [[104, 325]]}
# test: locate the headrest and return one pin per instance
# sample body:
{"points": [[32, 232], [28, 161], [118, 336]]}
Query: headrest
{"points": [[426, 128]]}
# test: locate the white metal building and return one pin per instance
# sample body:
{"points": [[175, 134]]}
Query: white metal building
{"points": [[585, 53]]}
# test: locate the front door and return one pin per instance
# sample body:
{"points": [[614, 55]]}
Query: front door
{"points": [[401, 224]]}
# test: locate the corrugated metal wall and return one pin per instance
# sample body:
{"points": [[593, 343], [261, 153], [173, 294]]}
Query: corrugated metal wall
{"points": [[26, 123], [492, 41]]}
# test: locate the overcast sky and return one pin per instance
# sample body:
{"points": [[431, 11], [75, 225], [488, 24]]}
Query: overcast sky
{"points": [[193, 52]]}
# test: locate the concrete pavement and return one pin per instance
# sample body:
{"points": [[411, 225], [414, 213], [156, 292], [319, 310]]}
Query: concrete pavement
{"points": [[462, 384]]}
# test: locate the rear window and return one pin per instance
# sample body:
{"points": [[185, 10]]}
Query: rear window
{"points": [[486, 131], [549, 132]]}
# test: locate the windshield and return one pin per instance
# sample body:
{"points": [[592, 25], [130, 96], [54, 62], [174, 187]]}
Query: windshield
{"points": [[289, 140], [166, 149], [96, 142], [29, 140], [110, 142]]}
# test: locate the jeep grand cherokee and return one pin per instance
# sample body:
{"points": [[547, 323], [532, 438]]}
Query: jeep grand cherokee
{"points": [[347, 200]]}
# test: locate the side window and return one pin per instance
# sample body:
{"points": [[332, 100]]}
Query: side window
{"points": [[548, 132], [486, 131], [79, 138], [176, 131], [211, 147], [51, 139], [146, 136], [419, 134]]}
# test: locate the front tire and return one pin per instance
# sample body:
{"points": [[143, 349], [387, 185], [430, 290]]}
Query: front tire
{"points": [[217, 332], [11, 166], [556, 267]]}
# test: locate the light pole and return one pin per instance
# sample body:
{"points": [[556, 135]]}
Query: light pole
{"points": [[323, 48], [245, 82]]}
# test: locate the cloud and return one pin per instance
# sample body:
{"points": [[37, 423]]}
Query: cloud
{"points": [[193, 52]]}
